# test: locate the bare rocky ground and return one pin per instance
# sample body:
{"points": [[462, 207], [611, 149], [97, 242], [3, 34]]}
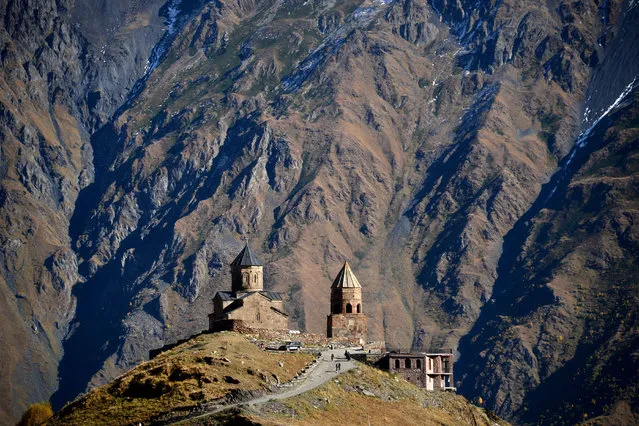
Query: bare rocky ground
{"points": [[435, 145]]}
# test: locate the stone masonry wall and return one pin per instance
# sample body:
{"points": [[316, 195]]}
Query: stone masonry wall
{"points": [[351, 326], [256, 312], [342, 296], [248, 278]]}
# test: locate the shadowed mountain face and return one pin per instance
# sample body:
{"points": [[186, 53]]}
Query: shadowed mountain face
{"points": [[411, 138], [559, 337], [56, 89]]}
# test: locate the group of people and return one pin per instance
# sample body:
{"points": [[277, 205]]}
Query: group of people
{"points": [[338, 366]]}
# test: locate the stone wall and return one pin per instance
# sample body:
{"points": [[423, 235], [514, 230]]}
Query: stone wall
{"points": [[425, 370], [352, 326], [256, 312], [218, 307], [227, 325], [247, 278], [412, 368], [341, 297]]}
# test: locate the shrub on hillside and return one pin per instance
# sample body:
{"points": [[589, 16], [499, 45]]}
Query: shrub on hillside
{"points": [[36, 415]]}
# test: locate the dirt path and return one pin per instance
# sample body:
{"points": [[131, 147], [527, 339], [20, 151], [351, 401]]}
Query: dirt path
{"points": [[323, 371]]}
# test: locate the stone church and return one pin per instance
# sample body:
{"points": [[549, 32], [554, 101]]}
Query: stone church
{"points": [[347, 319], [247, 305]]}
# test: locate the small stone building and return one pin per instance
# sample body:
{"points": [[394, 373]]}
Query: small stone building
{"points": [[247, 305], [433, 371], [347, 319]]}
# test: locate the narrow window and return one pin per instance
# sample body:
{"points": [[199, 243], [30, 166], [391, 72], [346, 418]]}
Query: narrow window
{"points": [[246, 278], [418, 364], [408, 363], [349, 308], [359, 308], [255, 279], [397, 363], [257, 316]]}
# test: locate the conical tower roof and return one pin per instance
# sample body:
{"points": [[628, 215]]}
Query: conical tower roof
{"points": [[346, 278], [246, 258]]}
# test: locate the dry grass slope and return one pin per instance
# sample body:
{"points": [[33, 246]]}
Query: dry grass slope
{"points": [[365, 396], [208, 367]]}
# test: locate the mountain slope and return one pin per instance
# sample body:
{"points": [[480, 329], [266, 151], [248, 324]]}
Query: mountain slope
{"points": [[213, 367], [559, 338], [56, 88], [365, 396], [249, 127], [412, 138], [566, 317]]}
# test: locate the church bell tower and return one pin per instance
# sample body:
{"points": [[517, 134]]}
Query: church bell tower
{"points": [[347, 319]]}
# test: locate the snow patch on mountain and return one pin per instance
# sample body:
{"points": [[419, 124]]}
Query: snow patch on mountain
{"points": [[360, 18], [582, 140]]}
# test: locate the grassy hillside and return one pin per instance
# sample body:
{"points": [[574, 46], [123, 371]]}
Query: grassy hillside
{"points": [[363, 396], [215, 369], [208, 367]]}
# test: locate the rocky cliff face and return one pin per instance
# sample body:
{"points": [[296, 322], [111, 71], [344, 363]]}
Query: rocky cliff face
{"points": [[558, 341], [410, 137], [562, 326], [57, 87]]}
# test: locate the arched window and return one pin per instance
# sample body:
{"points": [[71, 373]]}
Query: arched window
{"points": [[359, 308], [397, 363], [245, 277], [255, 279], [349, 308], [257, 316], [407, 363], [418, 364]]}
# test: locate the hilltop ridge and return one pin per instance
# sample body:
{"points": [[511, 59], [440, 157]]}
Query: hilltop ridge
{"points": [[231, 378]]}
